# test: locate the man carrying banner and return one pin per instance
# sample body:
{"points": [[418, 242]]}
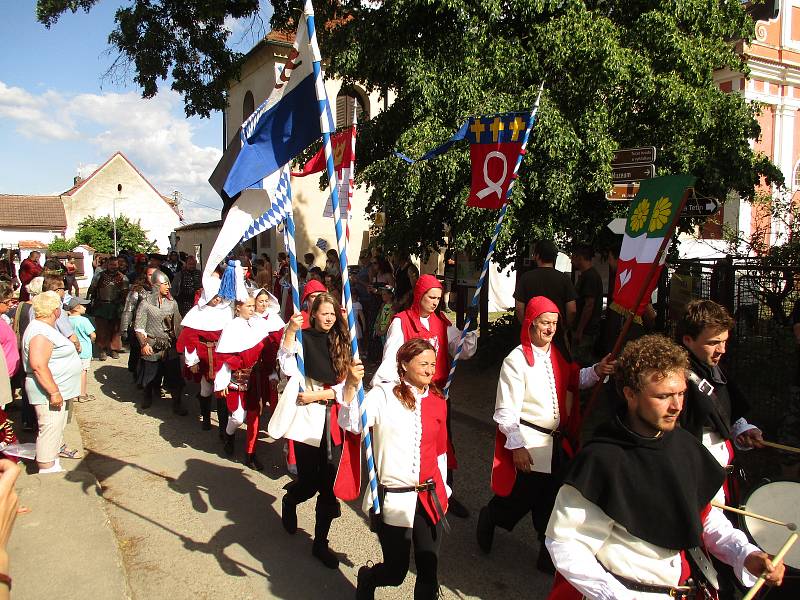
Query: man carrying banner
{"points": [[201, 329], [537, 416], [633, 518], [423, 321]]}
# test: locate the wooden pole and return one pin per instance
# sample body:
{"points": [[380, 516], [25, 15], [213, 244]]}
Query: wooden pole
{"points": [[778, 558]]}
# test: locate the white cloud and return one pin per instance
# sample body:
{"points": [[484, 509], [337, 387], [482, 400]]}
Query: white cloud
{"points": [[40, 117], [154, 134]]}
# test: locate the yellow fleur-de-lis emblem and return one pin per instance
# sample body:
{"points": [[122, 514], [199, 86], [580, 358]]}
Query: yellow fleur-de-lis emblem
{"points": [[661, 214], [640, 214]]}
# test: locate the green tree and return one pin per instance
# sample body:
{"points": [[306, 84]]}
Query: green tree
{"points": [[98, 232], [617, 73], [61, 244]]}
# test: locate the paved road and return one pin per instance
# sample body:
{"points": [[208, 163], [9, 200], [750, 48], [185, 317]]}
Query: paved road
{"points": [[192, 524]]}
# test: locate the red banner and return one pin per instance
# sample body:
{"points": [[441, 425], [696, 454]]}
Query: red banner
{"points": [[492, 172], [342, 152]]}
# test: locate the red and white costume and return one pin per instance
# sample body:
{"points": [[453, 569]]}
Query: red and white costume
{"points": [[437, 329], [410, 448], [239, 350]]}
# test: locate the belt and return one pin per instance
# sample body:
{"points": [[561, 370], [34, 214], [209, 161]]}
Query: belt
{"points": [[328, 439], [552, 432], [429, 485], [210, 347], [683, 592]]}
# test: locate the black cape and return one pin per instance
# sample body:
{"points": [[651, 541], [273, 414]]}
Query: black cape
{"points": [[700, 410], [654, 487], [317, 357]]}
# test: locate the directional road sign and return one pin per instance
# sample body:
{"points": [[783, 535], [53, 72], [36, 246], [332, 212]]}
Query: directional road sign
{"points": [[630, 156], [630, 173], [700, 207], [622, 192]]}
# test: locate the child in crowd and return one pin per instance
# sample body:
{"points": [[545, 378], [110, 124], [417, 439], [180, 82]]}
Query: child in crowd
{"points": [[84, 330], [385, 314]]}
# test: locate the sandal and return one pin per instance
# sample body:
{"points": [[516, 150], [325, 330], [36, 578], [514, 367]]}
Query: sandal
{"points": [[65, 452], [85, 398]]}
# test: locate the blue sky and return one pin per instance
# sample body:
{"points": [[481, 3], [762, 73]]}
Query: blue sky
{"points": [[59, 117]]}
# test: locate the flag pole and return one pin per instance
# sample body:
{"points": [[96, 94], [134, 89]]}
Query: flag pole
{"points": [[292, 250], [492, 244], [662, 249], [341, 242]]}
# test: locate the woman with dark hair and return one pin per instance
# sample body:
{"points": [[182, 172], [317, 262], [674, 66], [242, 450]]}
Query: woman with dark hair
{"points": [[307, 413], [409, 429]]}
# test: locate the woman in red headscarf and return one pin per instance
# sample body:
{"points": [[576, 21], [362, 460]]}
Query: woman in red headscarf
{"points": [[423, 321], [538, 420]]}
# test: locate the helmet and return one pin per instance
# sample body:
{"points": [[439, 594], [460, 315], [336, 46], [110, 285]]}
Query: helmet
{"points": [[159, 277]]}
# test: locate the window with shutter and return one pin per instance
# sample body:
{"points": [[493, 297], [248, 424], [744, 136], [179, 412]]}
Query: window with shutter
{"points": [[348, 98]]}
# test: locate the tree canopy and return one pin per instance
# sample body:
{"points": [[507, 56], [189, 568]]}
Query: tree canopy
{"points": [[98, 232], [617, 73]]}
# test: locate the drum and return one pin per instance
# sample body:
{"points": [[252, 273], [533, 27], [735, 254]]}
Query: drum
{"points": [[778, 500]]}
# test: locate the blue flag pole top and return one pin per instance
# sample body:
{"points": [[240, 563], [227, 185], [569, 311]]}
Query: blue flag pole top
{"points": [[341, 241]]}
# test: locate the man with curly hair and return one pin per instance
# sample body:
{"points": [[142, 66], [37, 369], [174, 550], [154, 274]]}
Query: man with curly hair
{"points": [[633, 518]]}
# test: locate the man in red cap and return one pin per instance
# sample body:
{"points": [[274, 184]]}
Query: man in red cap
{"points": [[423, 321], [538, 418], [312, 289]]}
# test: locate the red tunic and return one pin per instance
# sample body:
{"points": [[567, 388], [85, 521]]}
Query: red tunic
{"points": [[244, 359], [193, 340], [436, 335]]}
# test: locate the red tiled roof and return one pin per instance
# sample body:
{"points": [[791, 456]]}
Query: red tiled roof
{"points": [[32, 244], [32, 212], [281, 36]]}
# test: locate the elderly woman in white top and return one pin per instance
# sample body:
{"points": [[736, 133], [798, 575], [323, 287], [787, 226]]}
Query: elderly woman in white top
{"points": [[53, 377]]}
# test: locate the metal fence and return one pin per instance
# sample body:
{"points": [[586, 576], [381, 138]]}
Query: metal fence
{"points": [[762, 353]]}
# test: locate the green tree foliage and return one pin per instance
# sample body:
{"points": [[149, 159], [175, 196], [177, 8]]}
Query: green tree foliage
{"points": [[61, 244], [182, 39], [617, 74], [98, 232]]}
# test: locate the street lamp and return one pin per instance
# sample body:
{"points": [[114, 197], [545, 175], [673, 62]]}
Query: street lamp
{"points": [[114, 211]]}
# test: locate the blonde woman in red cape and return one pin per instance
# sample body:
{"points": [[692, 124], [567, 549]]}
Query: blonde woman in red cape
{"points": [[239, 350]]}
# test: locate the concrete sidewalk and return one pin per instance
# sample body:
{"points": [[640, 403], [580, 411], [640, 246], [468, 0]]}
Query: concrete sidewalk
{"points": [[65, 547]]}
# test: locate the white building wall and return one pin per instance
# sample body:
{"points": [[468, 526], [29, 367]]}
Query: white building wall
{"points": [[138, 201]]}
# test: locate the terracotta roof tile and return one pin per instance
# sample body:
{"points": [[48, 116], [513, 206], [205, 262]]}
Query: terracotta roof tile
{"points": [[32, 212]]}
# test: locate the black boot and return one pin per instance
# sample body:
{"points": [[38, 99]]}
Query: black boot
{"points": [[229, 439], [365, 589], [222, 416], [205, 411], [485, 530], [289, 514], [426, 590], [177, 406], [147, 399], [326, 513], [253, 462], [455, 508]]}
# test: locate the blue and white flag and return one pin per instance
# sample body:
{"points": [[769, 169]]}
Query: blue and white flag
{"points": [[285, 124], [254, 211]]}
